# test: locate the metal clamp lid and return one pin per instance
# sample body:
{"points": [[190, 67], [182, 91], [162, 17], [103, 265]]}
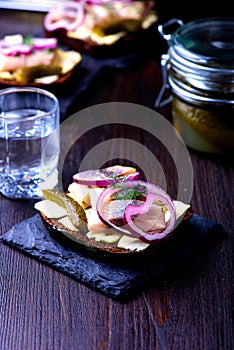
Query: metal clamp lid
{"points": [[163, 30], [199, 64], [160, 102]]}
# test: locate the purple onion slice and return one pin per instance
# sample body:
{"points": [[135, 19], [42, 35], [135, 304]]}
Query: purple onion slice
{"points": [[17, 49], [137, 209], [105, 2], [157, 233], [68, 15], [107, 176], [44, 43]]}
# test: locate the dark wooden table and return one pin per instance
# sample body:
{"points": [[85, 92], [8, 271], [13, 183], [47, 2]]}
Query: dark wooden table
{"points": [[189, 307]]}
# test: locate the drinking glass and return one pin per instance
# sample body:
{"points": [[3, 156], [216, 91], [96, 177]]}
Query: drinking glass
{"points": [[29, 141]]}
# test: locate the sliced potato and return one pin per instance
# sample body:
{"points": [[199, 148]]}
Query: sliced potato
{"points": [[104, 236], [65, 221], [80, 193], [50, 209], [66, 60], [47, 79], [6, 76], [94, 193], [181, 209], [132, 243]]}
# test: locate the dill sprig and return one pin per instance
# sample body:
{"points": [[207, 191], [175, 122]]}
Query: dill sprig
{"points": [[28, 40], [127, 193]]}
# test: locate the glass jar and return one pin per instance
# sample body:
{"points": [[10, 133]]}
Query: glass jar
{"points": [[198, 69]]}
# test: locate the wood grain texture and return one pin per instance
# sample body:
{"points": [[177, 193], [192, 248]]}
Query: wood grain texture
{"points": [[189, 307]]}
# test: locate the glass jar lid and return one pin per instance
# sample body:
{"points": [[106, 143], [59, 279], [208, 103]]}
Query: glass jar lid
{"points": [[199, 64], [206, 41]]}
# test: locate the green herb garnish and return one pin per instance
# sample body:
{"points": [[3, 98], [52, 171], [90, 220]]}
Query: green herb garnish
{"points": [[28, 40], [127, 193]]}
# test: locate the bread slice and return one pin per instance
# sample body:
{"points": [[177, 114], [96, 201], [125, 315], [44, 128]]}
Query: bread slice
{"points": [[110, 246], [45, 82], [40, 66], [97, 249]]}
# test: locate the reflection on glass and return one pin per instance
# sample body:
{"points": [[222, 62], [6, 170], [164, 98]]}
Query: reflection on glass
{"points": [[42, 5]]}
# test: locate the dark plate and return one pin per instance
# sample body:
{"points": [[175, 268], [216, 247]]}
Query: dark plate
{"points": [[61, 80], [145, 40]]}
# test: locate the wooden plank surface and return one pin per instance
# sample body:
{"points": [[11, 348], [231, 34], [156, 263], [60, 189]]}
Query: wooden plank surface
{"points": [[190, 307]]}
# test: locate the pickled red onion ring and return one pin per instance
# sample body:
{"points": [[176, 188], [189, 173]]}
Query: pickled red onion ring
{"points": [[68, 15], [131, 211], [44, 43], [26, 49], [154, 193], [104, 2], [12, 50], [101, 179]]}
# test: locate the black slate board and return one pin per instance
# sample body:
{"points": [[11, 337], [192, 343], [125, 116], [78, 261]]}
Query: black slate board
{"points": [[113, 279]]}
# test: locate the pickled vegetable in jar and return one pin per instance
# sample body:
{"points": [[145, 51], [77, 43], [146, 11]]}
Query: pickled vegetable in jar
{"points": [[199, 72]]}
